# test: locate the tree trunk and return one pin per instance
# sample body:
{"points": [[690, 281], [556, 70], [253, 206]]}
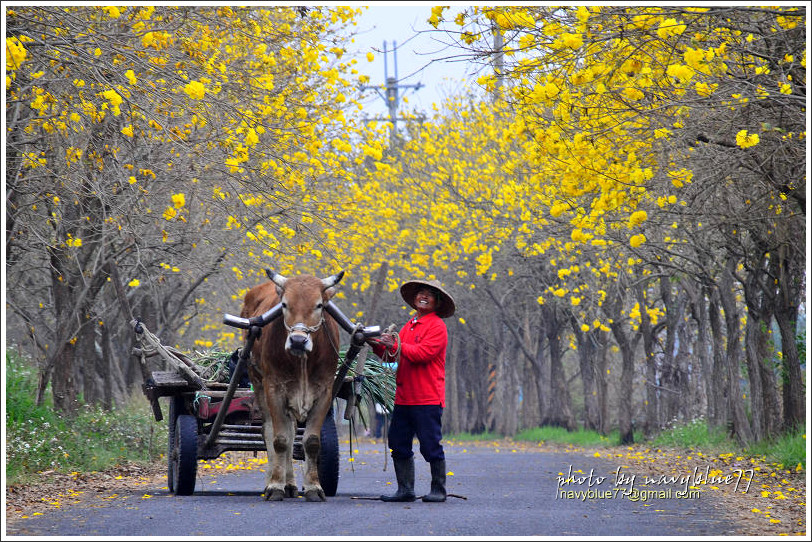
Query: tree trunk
{"points": [[531, 402], [699, 310], [625, 411], [674, 377], [722, 386], [451, 417], [612, 309], [741, 425], [756, 349], [652, 406], [63, 385], [61, 363], [602, 382], [587, 352], [92, 365], [541, 370], [560, 414], [793, 384], [507, 392]]}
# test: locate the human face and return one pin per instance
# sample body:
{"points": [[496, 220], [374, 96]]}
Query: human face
{"points": [[425, 301]]}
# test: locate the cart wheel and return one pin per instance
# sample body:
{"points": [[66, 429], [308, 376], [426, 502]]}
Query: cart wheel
{"points": [[183, 456], [328, 456], [176, 408]]}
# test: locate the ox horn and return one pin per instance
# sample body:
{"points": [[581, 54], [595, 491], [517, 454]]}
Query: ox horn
{"points": [[332, 280], [278, 279]]}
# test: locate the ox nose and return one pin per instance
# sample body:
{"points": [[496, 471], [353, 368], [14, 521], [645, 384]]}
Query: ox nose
{"points": [[299, 341]]}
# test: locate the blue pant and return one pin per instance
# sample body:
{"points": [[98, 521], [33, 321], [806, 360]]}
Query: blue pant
{"points": [[424, 421]]}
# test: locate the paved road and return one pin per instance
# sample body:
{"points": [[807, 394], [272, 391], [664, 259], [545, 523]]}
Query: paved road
{"points": [[508, 493]]}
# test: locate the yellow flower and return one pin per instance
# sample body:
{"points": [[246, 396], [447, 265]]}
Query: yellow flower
{"points": [[128, 130], [134, 283], [745, 140], [370, 57], [179, 200], [15, 53], [195, 90], [637, 217], [637, 240]]}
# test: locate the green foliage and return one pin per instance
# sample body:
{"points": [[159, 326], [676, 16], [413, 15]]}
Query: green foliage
{"points": [[378, 382], [21, 390], [695, 434], [559, 435], [788, 450], [38, 439]]}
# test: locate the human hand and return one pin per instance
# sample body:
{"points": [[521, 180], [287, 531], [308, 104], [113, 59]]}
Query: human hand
{"points": [[387, 340]]}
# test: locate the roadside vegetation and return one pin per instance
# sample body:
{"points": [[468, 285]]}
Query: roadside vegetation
{"points": [[39, 439], [789, 449]]}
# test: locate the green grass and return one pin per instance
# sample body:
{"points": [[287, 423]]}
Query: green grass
{"points": [[560, 435], [788, 450], [696, 434], [39, 439]]}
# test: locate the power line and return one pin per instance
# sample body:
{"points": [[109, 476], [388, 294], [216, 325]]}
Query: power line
{"points": [[391, 93]]}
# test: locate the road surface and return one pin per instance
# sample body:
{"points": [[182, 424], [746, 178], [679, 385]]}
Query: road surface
{"points": [[507, 492]]}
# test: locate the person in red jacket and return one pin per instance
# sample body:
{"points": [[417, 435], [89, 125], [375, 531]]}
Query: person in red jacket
{"points": [[420, 387]]}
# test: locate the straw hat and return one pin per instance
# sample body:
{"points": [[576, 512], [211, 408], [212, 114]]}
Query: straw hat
{"points": [[446, 306]]}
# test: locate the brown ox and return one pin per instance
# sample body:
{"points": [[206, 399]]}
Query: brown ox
{"points": [[293, 365]]}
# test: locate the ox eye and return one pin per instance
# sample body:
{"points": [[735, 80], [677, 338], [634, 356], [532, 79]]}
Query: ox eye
{"points": [[320, 305], [284, 305]]}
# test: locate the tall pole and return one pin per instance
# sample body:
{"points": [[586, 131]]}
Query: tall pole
{"points": [[392, 95], [499, 59]]}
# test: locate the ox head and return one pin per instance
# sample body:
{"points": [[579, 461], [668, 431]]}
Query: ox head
{"points": [[303, 298]]}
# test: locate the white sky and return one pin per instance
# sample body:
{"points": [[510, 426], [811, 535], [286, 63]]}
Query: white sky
{"points": [[402, 23]]}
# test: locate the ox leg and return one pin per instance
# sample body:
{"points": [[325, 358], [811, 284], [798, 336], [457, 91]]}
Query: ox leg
{"points": [[278, 433], [312, 446], [267, 432]]}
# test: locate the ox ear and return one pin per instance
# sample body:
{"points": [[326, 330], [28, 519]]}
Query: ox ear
{"points": [[328, 284]]}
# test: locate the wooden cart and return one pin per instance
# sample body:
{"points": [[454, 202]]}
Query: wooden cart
{"points": [[208, 418]]}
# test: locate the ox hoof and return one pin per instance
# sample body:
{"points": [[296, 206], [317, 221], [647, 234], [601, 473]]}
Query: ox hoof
{"points": [[274, 494], [291, 491], [315, 495]]}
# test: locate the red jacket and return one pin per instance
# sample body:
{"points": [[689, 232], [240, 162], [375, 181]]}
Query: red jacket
{"points": [[421, 372]]}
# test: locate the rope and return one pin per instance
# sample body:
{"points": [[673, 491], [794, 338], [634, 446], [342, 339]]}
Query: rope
{"points": [[169, 354], [389, 357]]}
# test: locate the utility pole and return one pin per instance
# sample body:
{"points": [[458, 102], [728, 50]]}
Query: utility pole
{"points": [[499, 59], [391, 95]]}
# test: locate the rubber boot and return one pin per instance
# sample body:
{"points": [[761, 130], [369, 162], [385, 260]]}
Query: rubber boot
{"points": [[404, 472], [437, 493]]}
